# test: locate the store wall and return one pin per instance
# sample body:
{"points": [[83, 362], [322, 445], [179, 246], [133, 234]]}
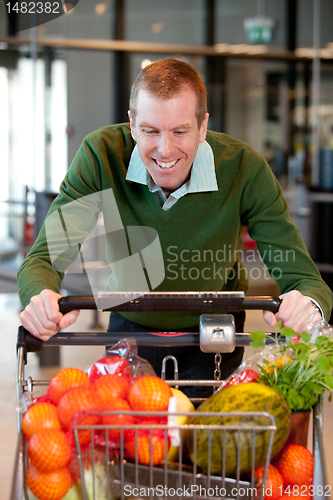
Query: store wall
{"points": [[90, 91], [91, 74]]}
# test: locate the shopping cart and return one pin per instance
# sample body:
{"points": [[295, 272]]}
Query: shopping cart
{"points": [[127, 477]]}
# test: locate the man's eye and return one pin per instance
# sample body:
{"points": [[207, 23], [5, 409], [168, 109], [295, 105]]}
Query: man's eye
{"points": [[150, 132], [180, 132]]}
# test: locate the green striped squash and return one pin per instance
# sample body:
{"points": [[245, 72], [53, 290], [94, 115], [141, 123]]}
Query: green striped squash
{"points": [[249, 396]]}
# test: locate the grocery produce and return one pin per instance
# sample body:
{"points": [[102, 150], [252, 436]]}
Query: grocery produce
{"points": [[40, 416], [276, 364], [95, 481], [95, 475], [137, 444], [111, 386], [243, 377], [105, 394], [239, 398], [49, 450], [149, 393], [49, 485], [301, 371], [66, 379], [113, 364], [74, 401], [183, 405], [296, 465], [77, 407], [273, 484], [121, 406]]}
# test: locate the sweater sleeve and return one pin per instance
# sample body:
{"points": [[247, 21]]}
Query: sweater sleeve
{"points": [[71, 218], [265, 213]]}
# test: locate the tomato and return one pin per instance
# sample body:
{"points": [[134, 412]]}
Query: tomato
{"points": [[113, 364], [242, 378]]}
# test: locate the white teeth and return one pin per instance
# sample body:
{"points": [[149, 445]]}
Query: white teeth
{"points": [[166, 165]]}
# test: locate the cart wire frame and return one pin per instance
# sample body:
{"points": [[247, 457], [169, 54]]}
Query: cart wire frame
{"points": [[122, 468], [123, 475]]}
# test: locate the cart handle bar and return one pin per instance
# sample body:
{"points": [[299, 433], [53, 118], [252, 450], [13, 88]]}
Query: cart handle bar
{"points": [[29, 343], [175, 302]]}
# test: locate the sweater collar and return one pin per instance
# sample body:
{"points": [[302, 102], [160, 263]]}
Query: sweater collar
{"points": [[203, 176]]}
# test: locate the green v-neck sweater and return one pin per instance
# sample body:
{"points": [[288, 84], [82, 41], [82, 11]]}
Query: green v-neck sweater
{"points": [[200, 236]]}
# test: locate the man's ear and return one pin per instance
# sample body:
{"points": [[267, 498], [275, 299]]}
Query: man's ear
{"points": [[131, 125], [203, 128]]}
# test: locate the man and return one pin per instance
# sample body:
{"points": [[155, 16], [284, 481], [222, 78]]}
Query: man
{"points": [[198, 190]]}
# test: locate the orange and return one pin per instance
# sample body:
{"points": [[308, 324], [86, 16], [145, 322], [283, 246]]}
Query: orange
{"points": [[138, 442], [66, 379], [109, 387], [149, 393], [49, 485], [120, 419], [75, 408], [40, 416], [274, 483], [49, 450], [84, 435], [79, 399], [296, 465]]}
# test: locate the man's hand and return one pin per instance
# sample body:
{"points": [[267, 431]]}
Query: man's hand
{"points": [[42, 317], [296, 312]]}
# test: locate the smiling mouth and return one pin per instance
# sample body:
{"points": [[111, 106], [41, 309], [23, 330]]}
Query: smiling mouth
{"points": [[168, 164]]}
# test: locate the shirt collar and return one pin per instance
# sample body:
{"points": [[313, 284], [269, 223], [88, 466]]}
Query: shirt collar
{"points": [[203, 176]]}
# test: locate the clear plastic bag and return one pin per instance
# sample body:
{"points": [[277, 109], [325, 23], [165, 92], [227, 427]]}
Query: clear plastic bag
{"points": [[121, 359], [320, 328]]}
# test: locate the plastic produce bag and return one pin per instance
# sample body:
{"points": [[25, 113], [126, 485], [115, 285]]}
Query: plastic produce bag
{"points": [[270, 355], [121, 359]]}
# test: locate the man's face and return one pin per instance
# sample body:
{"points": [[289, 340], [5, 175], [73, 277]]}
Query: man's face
{"points": [[168, 136]]}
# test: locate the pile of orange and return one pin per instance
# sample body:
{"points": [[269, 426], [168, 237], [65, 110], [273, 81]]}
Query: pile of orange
{"points": [[289, 475], [49, 452], [76, 398]]}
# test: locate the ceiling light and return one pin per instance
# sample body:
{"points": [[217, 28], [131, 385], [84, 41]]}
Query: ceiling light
{"points": [[158, 27], [101, 8]]}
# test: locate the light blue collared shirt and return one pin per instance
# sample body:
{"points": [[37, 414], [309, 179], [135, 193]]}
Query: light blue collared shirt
{"points": [[203, 176]]}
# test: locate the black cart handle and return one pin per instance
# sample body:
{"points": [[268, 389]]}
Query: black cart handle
{"points": [[29, 343], [173, 302]]}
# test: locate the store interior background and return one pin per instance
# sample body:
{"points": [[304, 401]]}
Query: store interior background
{"points": [[70, 76]]}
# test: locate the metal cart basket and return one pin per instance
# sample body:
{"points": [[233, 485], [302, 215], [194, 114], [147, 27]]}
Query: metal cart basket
{"points": [[127, 477]]}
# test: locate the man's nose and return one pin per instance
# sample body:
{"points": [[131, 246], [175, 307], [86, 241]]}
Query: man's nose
{"points": [[165, 145]]}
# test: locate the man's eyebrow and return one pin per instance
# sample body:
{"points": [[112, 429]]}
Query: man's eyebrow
{"points": [[144, 124], [184, 125]]}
